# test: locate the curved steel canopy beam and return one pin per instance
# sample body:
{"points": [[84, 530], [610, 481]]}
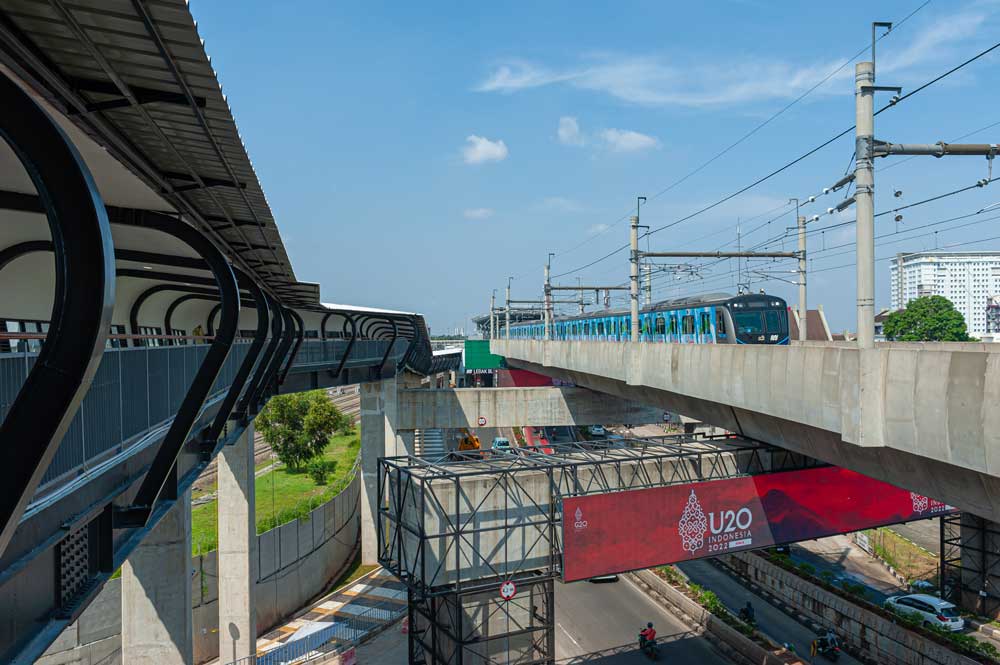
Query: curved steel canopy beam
{"points": [[209, 322], [133, 314], [168, 328], [163, 469], [265, 368], [287, 338], [260, 334], [82, 304], [350, 345], [301, 333]]}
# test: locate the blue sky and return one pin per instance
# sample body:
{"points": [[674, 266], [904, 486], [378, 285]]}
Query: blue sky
{"points": [[416, 154]]}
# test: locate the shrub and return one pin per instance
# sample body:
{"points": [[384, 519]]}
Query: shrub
{"points": [[318, 471]]}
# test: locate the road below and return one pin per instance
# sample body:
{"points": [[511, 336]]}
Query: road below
{"points": [[770, 620], [600, 624]]}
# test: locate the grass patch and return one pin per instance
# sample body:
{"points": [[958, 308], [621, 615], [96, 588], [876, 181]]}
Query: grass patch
{"points": [[282, 495]]}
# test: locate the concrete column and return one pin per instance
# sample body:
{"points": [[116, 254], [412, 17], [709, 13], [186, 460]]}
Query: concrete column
{"points": [[372, 447], [156, 593], [237, 550]]}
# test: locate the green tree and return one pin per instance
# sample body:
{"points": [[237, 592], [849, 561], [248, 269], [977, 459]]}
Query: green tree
{"points": [[299, 426], [927, 319]]}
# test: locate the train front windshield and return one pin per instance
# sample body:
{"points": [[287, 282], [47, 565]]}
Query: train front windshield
{"points": [[758, 321]]}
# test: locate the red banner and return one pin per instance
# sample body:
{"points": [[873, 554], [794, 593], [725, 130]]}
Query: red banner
{"points": [[621, 531]]}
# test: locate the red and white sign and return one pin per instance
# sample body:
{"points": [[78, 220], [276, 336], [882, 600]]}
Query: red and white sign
{"points": [[621, 531], [507, 590], [482, 421]]}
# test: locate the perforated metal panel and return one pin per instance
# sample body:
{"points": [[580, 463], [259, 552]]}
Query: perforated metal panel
{"points": [[74, 565]]}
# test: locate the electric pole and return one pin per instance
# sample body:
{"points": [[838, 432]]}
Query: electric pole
{"points": [[864, 199], [506, 313], [634, 277], [493, 313], [548, 297], [800, 221], [580, 294], [648, 269]]}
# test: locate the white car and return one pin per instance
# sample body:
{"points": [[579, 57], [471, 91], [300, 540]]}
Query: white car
{"points": [[597, 430], [931, 610], [501, 444]]}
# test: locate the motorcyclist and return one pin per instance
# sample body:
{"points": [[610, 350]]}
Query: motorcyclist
{"points": [[747, 613], [647, 636]]}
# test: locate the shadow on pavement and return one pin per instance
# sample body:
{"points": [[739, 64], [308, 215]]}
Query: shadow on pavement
{"points": [[628, 653]]}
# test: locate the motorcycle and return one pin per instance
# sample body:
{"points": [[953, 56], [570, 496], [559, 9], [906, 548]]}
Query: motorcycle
{"points": [[746, 617], [827, 648], [649, 648]]}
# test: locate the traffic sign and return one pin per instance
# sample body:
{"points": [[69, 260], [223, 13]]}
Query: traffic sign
{"points": [[482, 421], [507, 590]]}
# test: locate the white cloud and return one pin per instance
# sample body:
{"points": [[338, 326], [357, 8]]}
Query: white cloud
{"points": [[478, 213], [569, 131], [625, 140], [673, 81], [597, 228], [559, 204], [479, 150]]}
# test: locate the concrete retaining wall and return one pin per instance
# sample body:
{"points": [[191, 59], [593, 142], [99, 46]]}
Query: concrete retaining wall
{"points": [[297, 561], [878, 637]]}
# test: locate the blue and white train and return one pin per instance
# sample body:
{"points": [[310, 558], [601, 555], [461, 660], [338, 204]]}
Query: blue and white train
{"points": [[713, 319]]}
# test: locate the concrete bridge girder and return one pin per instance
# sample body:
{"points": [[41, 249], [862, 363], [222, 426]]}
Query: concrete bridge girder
{"points": [[513, 407], [925, 421]]}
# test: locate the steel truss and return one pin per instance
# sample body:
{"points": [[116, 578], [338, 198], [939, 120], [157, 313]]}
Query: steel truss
{"points": [[480, 627], [455, 528], [970, 563]]}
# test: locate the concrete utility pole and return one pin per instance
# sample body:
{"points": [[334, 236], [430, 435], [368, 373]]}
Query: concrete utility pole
{"points": [[548, 297], [864, 199], [634, 277], [493, 314], [580, 294], [506, 312], [803, 307], [648, 269]]}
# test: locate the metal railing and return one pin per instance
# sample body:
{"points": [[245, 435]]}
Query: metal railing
{"points": [[341, 634], [139, 389]]}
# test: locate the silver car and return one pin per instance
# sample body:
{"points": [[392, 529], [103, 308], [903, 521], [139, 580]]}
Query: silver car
{"points": [[931, 610]]}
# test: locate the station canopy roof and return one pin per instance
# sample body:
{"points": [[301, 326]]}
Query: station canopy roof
{"points": [[133, 79]]}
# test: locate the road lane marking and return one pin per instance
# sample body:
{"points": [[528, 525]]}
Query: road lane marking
{"points": [[569, 636]]}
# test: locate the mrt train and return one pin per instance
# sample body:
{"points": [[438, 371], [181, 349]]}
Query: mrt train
{"points": [[714, 319]]}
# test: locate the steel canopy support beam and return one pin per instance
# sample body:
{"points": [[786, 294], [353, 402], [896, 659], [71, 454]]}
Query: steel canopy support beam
{"points": [[350, 345], [269, 362], [163, 470], [300, 335], [82, 306], [243, 373], [287, 339]]}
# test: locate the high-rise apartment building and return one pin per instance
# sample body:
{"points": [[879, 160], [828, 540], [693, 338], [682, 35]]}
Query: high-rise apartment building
{"points": [[967, 279]]}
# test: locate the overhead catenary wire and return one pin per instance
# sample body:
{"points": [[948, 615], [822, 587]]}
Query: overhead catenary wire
{"points": [[795, 161]]}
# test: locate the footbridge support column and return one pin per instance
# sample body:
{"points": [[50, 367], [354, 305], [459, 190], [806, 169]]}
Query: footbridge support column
{"points": [[237, 550], [156, 593], [380, 437]]}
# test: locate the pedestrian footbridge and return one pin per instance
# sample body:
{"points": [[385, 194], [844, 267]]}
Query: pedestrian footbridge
{"points": [[919, 416]]}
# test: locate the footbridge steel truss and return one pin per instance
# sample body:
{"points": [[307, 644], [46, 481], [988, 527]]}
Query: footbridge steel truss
{"points": [[455, 528]]}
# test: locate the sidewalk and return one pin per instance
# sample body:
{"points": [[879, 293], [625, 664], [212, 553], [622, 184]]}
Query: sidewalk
{"points": [[346, 615]]}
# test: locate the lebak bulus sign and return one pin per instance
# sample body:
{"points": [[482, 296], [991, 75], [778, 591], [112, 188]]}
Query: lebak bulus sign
{"points": [[621, 531]]}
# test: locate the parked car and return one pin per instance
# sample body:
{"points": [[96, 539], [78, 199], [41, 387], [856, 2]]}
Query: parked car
{"points": [[501, 444], [932, 611], [597, 430], [924, 586]]}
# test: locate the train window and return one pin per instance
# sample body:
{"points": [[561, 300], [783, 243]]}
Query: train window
{"points": [[151, 330], [178, 332], [720, 324], [586, 328], [687, 324], [775, 320], [115, 343], [21, 345], [600, 327], [706, 324], [660, 326], [673, 325], [748, 323]]}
